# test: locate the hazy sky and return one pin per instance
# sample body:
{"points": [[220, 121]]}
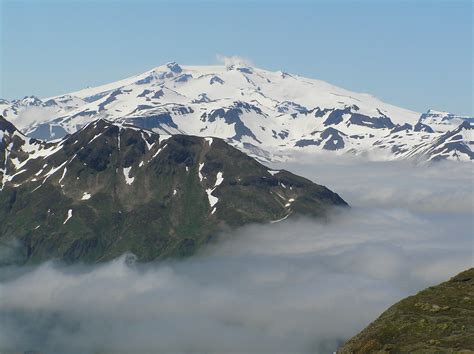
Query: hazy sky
{"points": [[415, 54]]}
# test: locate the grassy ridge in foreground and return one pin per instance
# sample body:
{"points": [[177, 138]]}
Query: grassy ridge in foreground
{"points": [[439, 319]]}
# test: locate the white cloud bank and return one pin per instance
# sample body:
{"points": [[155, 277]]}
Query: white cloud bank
{"points": [[298, 286]]}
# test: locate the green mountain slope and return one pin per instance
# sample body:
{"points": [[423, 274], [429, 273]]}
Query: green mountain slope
{"points": [[110, 189], [439, 319]]}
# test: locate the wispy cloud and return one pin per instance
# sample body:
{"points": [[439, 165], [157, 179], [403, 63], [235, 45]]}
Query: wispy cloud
{"points": [[32, 115], [233, 60]]}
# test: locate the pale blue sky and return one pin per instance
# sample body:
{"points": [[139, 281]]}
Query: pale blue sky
{"points": [[415, 54]]}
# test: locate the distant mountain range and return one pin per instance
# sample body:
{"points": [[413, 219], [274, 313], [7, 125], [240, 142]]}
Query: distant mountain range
{"points": [[267, 114], [112, 188]]}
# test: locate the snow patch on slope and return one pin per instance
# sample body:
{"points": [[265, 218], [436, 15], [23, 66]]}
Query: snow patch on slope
{"points": [[69, 215], [126, 173], [212, 199]]}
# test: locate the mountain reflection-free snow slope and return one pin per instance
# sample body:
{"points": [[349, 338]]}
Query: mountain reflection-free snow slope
{"points": [[293, 286]]}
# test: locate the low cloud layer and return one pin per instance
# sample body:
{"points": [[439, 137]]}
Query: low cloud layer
{"points": [[298, 286]]}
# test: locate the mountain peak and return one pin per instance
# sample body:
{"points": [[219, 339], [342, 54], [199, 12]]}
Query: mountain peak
{"points": [[235, 62], [174, 67], [241, 66]]}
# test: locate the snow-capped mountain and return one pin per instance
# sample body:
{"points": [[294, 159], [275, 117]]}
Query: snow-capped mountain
{"points": [[266, 114]]}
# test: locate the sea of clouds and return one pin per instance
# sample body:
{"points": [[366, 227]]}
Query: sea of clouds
{"points": [[299, 286]]}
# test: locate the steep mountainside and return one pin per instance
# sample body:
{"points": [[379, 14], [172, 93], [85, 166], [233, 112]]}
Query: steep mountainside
{"points": [[112, 188], [439, 319], [266, 114]]}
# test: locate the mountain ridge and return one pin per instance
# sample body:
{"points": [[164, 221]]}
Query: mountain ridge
{"points": [[111, 188]]}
